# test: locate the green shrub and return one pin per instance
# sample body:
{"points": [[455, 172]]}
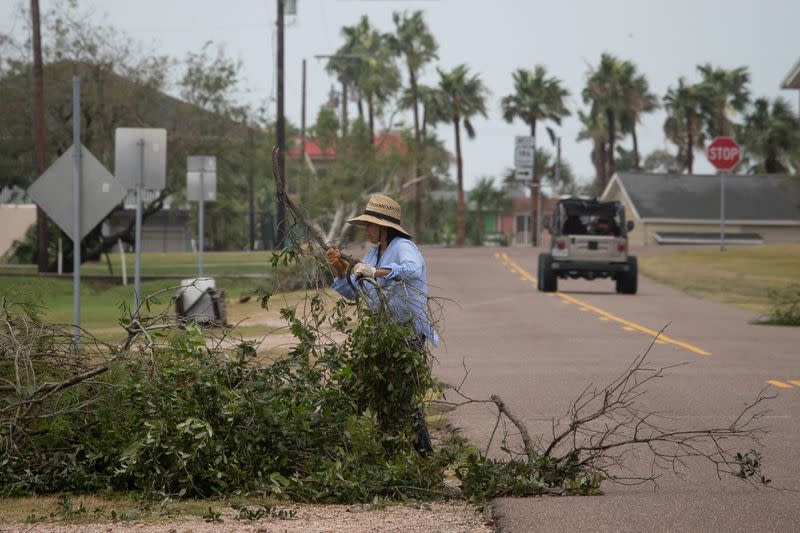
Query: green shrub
{"points": [[785, 306]]}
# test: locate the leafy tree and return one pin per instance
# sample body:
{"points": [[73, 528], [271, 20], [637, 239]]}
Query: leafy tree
{"points": [[682, 126], [662, 162], [326, 126], [722, 92], [372, 69], [465, 97], [413, 41], [487, 199], [123, 86], [537, 98], [770, 134]]}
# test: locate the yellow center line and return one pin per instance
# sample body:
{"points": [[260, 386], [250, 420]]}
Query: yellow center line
{"points": [[605, 314], [779, 384], [795, 382]]}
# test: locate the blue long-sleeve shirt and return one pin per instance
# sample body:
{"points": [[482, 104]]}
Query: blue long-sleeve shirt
{"points": [[406, 286]]}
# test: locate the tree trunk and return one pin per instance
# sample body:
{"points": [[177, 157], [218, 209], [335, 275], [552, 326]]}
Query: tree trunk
{"points": [[535, 190], [371, 118], [344, 108], [361, 108], [417, 157], [599, 161], [42, 258], [635, 148], [460, 215], [612, 168]]}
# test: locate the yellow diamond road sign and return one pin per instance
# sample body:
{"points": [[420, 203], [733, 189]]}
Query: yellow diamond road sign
{"points": [[100, 192]]}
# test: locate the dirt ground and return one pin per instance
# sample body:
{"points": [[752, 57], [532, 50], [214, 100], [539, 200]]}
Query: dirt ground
{"points": [[439, 517]]}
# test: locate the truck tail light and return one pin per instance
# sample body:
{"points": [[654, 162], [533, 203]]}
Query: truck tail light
{"points": [[620, 246], [561, 244]]}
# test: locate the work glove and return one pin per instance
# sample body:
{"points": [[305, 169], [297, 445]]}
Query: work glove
{"points": [[335, 261], [363, 270]]}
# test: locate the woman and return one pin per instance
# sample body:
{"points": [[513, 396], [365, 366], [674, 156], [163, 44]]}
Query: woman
{"points": [[398, 268], [395, 263]]}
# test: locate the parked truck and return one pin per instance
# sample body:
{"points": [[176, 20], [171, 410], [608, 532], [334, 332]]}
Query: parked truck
{"points": [[589, 240]]}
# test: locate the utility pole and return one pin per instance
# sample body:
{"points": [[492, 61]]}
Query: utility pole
{"points": [[38, 132], [251, 178], [280, 211], [536, 192]]}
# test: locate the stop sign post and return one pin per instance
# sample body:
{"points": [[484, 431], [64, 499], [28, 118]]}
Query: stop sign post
{"points": [[724, 153]]}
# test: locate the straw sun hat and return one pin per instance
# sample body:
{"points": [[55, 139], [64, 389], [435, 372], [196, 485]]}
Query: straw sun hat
{"points": [[383, 211]]}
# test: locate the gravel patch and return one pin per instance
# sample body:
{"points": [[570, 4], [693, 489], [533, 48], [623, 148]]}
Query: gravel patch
{"points": [[438, 517]]}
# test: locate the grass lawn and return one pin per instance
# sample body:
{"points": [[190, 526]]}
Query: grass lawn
{"points": [[101, 300], [741, 276], [173, 264]]}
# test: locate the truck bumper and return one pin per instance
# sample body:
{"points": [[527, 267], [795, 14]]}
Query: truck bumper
{"points": [[588, 266]]}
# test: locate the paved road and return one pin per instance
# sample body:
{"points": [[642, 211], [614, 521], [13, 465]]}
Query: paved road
{"points": [[539, 351]]}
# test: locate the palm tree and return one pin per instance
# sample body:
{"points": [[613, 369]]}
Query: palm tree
{"points": [[722, 91], [682, 126], [537, 97], [639, 101], [413, 41], [771, 135], [465, 97], [372, 69], [594, 129], [608, 91]]}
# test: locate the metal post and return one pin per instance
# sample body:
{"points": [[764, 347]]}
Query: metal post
{"points": [[722, 211], [76, 212], [200, 235], [137, 270], [121, 247]]}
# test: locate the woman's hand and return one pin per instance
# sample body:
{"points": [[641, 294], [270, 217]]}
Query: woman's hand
{"points": [[335, 261]]}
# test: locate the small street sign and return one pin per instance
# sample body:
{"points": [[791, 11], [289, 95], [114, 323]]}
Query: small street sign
{"points": [[209, 186], [207, 165], [723, 153], [523, 151], [127, 157], [524, 174], [100, 192]]}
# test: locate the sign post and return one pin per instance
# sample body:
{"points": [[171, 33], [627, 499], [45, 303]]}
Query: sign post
{"points": [[201, 186], [724, 153], [140, 162], [524, 155], [76, 207]]}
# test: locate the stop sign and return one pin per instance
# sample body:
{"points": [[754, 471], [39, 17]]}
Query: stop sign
{"points": [[723, 153]]}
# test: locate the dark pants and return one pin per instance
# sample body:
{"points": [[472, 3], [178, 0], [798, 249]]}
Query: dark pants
{"points": [[423, 444]]}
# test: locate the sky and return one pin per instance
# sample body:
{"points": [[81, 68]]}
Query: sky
{"points": [[665, 39]]}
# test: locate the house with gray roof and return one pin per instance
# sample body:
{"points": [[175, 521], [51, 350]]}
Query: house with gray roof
{"points": [[685, 209]]}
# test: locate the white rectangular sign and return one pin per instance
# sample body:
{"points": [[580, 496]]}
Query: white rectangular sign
{"points": [[523, 151], [127, 157]]}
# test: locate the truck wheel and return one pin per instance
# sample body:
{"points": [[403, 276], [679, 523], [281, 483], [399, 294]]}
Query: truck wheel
{"points": [[627, 282], [547, 281], [539, 272]]}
